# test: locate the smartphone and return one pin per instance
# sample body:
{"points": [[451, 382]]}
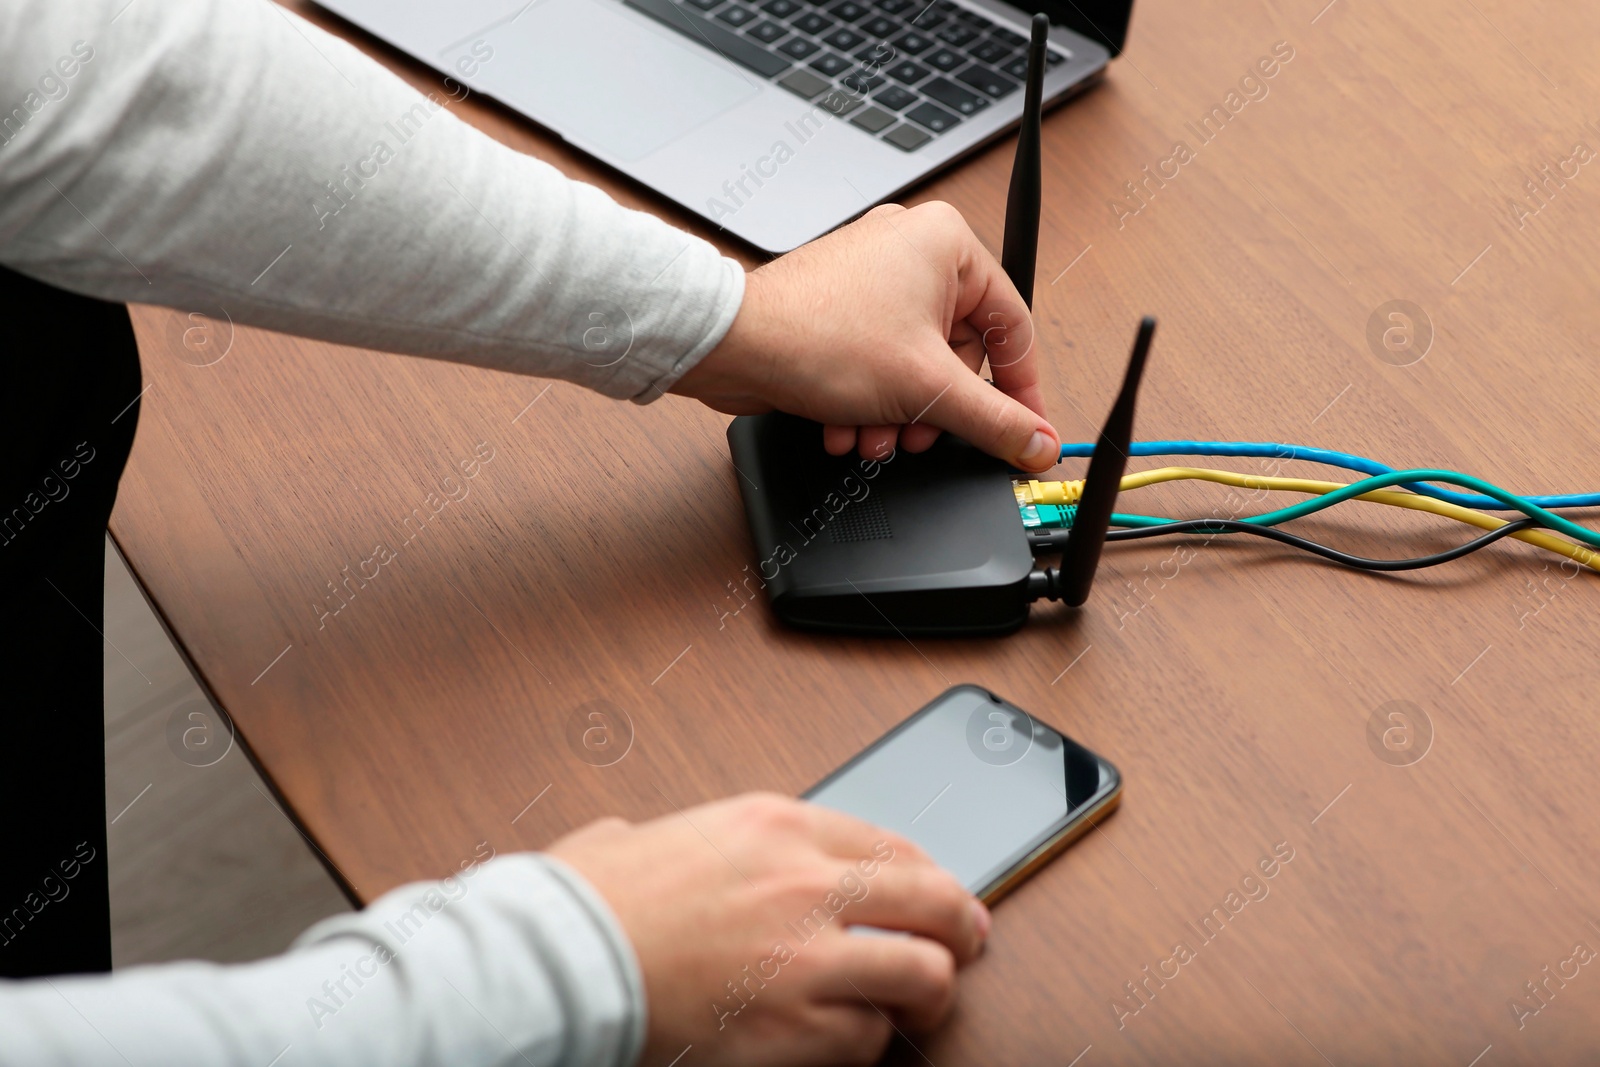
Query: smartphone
{"points": [[989, 791]]}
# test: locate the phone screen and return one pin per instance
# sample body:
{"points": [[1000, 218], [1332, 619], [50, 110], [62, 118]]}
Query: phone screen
{"points": [[979, 783]]}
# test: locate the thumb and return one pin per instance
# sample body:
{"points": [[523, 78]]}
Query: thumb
{"points": [[983, 415]]}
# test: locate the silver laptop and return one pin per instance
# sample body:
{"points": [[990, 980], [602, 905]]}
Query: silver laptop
{"points": [[776, 120]]}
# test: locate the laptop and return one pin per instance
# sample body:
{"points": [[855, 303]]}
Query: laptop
{"points": [[775, 120]]}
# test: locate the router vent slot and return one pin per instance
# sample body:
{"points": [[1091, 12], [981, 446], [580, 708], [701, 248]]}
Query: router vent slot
{"points": [[861, 520]]}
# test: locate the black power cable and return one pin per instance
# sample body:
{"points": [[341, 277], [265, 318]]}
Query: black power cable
{"points": [[1046, 583]]}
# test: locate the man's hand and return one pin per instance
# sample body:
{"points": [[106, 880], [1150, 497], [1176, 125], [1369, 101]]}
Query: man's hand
{"points": [[877, 331], [738, 913]]}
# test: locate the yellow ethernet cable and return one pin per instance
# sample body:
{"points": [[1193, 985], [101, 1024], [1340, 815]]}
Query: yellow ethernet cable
{"points": [[1036, 492]]}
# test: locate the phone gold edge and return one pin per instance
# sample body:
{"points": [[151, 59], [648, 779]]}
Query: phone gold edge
{"points": [[1053, 847]]}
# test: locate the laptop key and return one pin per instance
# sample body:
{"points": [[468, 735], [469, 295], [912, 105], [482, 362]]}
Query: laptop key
{"points": [[830, 64], [907, 137], [895, 98], [705, 5], [988, 81], [849, 11], [839, 101], [811, 23], [877, 56], [928, 18], [736, 15], [742, 51], [879, 26], [861, 82], [973, 19], [990, 51], [1018, 67], [766, 32], [894, 7], [1015, 40], [957, 34], [907, 72], [797, 47], [954, 97], [913, 43], [873, 120], [945, 59], [803, 83], [844, 39], [780, 9], [936, 119]]}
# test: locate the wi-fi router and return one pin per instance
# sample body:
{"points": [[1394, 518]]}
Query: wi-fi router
{"points": [[930, 543]]}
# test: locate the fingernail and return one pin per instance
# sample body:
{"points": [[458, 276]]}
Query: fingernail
{"points": [[980, 915], [1043, 451]]}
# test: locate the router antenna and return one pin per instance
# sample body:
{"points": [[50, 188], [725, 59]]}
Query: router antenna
{"points": [[1021, 250], [1100, 485]]}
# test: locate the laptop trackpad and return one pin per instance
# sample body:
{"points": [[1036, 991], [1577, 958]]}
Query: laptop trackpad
{"points": [[603, 79]]}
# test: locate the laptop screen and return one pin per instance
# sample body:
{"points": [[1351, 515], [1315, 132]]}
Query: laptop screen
{"points": [[1105, 21]]}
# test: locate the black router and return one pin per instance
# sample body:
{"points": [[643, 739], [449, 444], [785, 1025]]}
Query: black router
{"points": [[929, 543]]}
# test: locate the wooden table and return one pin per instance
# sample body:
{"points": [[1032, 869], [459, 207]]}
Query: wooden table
{"points": [[1235, 689]]}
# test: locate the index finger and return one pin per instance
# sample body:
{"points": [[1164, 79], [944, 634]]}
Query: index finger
{"points": [[848, 837]]}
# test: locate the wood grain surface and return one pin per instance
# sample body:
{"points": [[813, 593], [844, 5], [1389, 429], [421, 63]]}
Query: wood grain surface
{"points": [[598, 556]]}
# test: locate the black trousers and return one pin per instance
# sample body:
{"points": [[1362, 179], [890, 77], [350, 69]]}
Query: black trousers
{"points": [[68, 407]]}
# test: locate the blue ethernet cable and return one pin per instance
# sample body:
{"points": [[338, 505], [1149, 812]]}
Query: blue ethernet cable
{"points": [[1270, 450]]}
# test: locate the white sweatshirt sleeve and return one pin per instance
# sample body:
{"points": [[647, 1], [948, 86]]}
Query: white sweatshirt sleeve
{"points": [[223, 154], [226, 154], [510, 962]]}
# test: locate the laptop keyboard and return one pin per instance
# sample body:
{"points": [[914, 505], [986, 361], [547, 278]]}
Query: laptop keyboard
{"points": [[904, 71]]}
